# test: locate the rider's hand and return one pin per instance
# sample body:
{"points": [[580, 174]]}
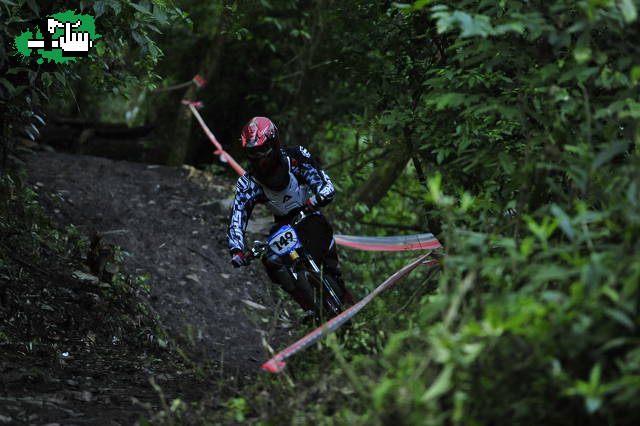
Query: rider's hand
{"points": [[238, 259], [316, 201]]}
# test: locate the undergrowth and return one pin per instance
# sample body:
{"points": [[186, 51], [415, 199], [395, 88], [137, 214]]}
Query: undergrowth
{"points": [[48, 306], [529, 123], [536, 324]]}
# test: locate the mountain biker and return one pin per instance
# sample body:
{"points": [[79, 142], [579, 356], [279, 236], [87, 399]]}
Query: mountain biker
{"points": [[287, 180]]}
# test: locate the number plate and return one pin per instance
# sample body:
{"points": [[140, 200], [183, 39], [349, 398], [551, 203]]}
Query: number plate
{"points": [[284, 240]]}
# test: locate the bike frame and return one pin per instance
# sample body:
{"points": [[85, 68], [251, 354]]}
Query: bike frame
{"points": [[261, 248]]}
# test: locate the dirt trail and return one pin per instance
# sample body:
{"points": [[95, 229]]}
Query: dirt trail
{"points": [[170, 224]]}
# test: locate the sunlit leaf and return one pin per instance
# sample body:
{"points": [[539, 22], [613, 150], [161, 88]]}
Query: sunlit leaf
{"points": [[140, 8], [620, 317], [565, 221], [629, 11], [98, 8], [582, 54], [608, 153], [440, 386], [34, 7]]}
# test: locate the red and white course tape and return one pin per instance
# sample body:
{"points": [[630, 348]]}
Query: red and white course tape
{"points": [[399, 243], [277, 364], [409, 242], [224, 155]]}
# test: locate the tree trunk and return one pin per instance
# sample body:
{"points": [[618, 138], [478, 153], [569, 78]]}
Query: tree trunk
{"points": [[175, 136], [381, 180]]}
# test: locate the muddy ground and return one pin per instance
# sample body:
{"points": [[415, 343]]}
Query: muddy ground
{"points": [[170, 225]]}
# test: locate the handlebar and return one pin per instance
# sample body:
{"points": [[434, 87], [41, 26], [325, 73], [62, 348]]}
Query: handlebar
{"points": [[259, 247], [302, 214]]}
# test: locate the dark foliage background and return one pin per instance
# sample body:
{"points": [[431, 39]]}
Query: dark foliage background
{"points": [[508, 128]]}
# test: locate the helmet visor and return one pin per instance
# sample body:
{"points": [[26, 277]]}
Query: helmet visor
{"points": [[258, 152]]}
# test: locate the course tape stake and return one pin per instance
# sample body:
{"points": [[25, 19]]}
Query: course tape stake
{"points": [[277, 363], [219, 151]]}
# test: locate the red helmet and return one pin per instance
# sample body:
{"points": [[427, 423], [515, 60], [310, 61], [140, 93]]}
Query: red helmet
{"points": [[261, 145], [260, 138]]}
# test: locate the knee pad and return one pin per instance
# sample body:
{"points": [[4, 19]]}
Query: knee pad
{"points": [[278, 273]]}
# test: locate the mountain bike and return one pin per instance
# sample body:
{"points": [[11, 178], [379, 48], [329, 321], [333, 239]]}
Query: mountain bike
{"points": [[300, 269]]}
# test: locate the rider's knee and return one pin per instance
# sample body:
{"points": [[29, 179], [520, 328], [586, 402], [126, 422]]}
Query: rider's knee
{"points": [[278, 273]]}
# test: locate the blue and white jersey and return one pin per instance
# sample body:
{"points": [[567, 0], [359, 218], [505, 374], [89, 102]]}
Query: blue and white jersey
{"points": [[305, 179]]}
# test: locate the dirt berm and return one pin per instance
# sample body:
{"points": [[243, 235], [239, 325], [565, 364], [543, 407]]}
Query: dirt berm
{"points": [[170, 223]]}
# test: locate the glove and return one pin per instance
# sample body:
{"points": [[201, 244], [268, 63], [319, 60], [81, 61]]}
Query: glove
{"points": [[316, 201], [238, 259]]}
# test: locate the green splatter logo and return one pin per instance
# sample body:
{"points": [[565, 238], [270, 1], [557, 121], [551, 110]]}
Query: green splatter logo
{"points": [[62, 38]]}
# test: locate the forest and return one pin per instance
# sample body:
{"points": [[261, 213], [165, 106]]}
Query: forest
{"points": [[510, 129]]}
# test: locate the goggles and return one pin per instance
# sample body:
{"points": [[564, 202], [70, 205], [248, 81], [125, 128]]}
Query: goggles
{"points": [[258, 152]]}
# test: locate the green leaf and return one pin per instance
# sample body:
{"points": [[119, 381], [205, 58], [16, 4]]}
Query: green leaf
{"points": [[17, 70], [153, 28], [140, 8], [582, 54], [380, 392], [421, 3], [98, 8], [517, 27], [33, 76], [447, 100], [629, 11], [635, 74], [620, 317], [395, 343], [115, 6], [100, 48], [632, 110], [608, 153], [617, 343], [154, 51], [60, 77], [594, 376], [46, 79], [34, 7], [565, 222], [506, 162], [470, 26], [160, 16], [142, 40], [593, 403], [8, 2], [632, 194], [441, 385], [552, 273], [8, 85]]}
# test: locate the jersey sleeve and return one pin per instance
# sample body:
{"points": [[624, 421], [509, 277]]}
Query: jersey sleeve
{"points": [[316, 178], [247, 192]]}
